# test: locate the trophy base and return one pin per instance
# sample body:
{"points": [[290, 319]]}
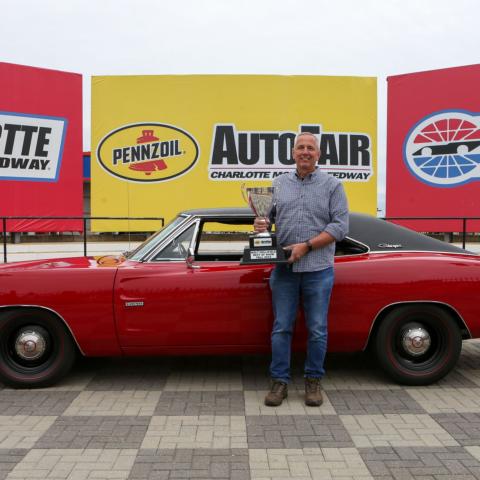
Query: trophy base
{"points": [[264, 255], [263, 248]]}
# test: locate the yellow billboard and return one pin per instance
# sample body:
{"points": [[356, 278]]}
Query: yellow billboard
{"points": [[163, 144]]}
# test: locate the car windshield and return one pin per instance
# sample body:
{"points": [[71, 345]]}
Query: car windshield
{"points": [[139, 252]]}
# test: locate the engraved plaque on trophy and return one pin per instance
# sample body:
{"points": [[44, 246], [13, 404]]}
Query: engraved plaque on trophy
{"points": [[263, 246]]}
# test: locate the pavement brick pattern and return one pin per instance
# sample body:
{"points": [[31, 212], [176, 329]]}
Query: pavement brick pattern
{"points": [[204, 418]]}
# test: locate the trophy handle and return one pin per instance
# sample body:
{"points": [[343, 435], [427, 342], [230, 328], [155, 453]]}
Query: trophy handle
{"points": [[244, 193]]}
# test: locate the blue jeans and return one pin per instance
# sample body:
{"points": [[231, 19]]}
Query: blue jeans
{"points": [[287, 288]]}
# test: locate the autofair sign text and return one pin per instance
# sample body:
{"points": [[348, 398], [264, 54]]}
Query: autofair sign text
{"points": [[264, 155], [30, 146]]}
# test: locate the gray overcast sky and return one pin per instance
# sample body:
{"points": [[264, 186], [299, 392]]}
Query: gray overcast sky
{"points": [[312, 37]]}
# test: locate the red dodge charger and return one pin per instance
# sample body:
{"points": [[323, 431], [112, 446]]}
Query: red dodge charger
{"points": [[409, 298]]}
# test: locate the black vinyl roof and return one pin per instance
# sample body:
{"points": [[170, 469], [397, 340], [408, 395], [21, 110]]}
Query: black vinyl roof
{"points": [[378, 234], [381, 235]]}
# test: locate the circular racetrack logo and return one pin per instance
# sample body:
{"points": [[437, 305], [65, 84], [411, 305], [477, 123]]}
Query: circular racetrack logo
{"points": [[443, 149], [147, 152]]}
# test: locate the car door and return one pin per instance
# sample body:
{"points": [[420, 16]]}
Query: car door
{"points": [[164, 303]]}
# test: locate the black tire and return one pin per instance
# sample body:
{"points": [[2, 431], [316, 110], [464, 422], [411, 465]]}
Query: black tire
{"points": [[48, 352], [427, 364]]}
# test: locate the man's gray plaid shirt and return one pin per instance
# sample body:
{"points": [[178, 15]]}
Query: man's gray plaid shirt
{"points": [[303, 208]]}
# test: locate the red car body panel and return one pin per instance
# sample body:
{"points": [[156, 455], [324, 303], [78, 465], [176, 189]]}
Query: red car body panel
{"points": [[224, 307], [219, 304], [79, 290], [367, 284]]}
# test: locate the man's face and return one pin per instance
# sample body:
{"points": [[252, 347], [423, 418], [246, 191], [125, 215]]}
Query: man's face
{"points": [[306, 154]]}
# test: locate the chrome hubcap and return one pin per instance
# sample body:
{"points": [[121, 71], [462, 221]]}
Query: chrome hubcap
{"points": [[30, 344], [416, 341]]}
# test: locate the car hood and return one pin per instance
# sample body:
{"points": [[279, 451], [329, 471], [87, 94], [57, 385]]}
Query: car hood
{"points": [[104, 261]]}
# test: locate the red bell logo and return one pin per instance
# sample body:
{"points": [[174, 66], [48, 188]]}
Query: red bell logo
{"points": [[152, 166]]}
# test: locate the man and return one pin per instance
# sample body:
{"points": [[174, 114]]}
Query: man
{"points": [[310, 213]]}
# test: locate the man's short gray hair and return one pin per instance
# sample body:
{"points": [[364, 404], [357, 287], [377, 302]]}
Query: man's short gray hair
{"points": [[310, 134]]}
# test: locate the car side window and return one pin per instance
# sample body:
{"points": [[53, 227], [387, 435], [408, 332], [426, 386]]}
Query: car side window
{"points": [[177, 249], [222, 241]]}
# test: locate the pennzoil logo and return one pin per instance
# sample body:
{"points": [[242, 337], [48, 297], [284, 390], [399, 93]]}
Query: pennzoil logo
{"points": [[147, 152]]}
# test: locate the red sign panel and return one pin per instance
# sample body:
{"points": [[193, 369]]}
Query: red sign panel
{"points": [[40, 148], [433, 148]]}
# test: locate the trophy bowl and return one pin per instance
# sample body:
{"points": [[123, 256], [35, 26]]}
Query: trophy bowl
{"points": [[260, 201]]}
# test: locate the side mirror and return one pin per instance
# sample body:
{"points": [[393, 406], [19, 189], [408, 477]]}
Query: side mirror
{"points": [[191, 259]]}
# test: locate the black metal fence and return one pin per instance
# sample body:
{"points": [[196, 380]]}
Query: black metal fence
{"points": [[84, 220], [463, 223], [462, 231]]}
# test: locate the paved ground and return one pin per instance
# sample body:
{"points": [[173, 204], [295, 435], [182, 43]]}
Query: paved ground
{"points": [[204, 418]]}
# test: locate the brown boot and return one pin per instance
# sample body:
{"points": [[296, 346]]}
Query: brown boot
{"points": [[278, 391], [313, 392]]}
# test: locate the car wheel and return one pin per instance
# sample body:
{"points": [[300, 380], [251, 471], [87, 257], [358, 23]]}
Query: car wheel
{"points": [[36, 350], [418, 344]]}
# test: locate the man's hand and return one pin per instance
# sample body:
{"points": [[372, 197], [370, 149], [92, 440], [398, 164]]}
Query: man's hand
{"points": [[261, 224], [298, 251]]}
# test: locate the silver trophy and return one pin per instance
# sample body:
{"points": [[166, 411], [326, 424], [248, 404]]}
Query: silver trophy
{"points": [[263, 246]]}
